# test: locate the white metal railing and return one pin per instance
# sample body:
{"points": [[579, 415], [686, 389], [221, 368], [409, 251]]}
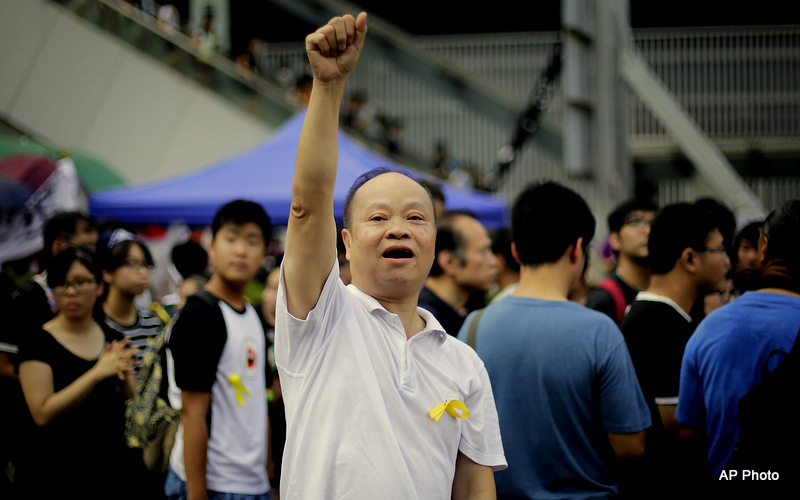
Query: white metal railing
{"points": [[741, 85]]}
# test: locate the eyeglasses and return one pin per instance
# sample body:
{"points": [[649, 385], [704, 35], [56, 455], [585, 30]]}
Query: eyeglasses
{"points": [[637, 222], [713, 250], [135, 265], [80, 286]]}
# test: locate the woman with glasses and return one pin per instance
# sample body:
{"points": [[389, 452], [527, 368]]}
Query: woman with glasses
{"points": [[75, 376], [127, 265]]}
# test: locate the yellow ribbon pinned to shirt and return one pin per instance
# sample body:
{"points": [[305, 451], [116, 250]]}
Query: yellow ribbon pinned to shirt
{"points": [[237, 384], [450, 407]]}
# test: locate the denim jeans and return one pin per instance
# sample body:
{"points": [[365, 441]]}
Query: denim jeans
{"points": [[175, 489]]}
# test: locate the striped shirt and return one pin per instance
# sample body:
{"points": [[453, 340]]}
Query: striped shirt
{"points": [[147, 326]]}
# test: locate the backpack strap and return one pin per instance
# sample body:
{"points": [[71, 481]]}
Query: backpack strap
{"points": [[161, 312], [472, 330], [611, 286]]}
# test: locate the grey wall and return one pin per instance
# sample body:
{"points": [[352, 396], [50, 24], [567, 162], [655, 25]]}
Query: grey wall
{"points": [[64, 80]]}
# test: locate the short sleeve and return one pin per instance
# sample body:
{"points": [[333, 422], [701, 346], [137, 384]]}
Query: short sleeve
{"points": [[480, 439], [35, 345], [299, 341], [196, 343]]}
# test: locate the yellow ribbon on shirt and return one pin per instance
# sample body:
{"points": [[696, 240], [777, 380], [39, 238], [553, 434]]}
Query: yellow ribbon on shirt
{"points": [[450, 407], [237, 384]]}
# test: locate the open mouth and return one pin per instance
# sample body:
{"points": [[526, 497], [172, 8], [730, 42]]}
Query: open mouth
{"points": [[398, 253]]}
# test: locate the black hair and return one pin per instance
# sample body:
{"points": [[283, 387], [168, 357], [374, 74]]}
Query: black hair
{"points": [[616, 219], [782, 230], [726, 220], [189, 258], [449, 238], [546, 219], [114, 257], [501, 245], [240, 212], [64, 225], [368, 176], [63, 260], [677, 227]]}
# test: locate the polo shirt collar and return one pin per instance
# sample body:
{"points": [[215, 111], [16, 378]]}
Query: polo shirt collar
{"points": [[372, 305]]}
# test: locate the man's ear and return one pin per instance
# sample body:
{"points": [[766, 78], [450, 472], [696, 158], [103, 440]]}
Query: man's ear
{"points": [[447, 261], [763, 243], [613, 241], [576, 250], [107, 276], [687, 260], [346, 241], [514, 253], [211, 250]]}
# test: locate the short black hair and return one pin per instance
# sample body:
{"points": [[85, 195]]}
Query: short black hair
{"points": [[677, 227], [501, 245], [64, 225], [240, 212], [189, 258], [368, 176], [546, 219], [616, 219], [63, 260], [726, 220], [782, 230]]}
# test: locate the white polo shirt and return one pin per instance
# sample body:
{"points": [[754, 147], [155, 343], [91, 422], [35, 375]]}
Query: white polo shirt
{"points": [[357, 395]]}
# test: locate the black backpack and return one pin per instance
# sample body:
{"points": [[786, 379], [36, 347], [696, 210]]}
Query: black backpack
{"points": [[769, 433]]}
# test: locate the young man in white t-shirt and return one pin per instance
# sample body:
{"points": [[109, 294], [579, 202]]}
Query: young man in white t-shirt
{"points": [[218, 351], [380, 401]]}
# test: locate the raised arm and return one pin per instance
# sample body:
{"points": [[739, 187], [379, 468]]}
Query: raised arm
{"points": [[310, 251]]}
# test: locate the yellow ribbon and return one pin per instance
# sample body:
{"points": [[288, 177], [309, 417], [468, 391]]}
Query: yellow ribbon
{"points": [[237, 384], [450, 407]]}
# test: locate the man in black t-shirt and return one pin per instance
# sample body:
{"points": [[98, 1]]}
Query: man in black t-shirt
{"points": [[687, 259]]}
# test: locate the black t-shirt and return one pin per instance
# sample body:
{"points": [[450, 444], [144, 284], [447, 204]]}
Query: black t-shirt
{"points": [[83, 450], [450, 319], [656, 335]]}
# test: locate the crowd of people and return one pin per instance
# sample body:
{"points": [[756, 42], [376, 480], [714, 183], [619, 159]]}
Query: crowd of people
{"points": [[410, 353]]}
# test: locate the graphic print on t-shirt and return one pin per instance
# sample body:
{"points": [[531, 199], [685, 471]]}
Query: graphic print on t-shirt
{"points": [[249, 357]]}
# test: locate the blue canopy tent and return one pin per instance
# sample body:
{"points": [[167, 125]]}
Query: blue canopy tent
{"points": [[263, 174]]}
